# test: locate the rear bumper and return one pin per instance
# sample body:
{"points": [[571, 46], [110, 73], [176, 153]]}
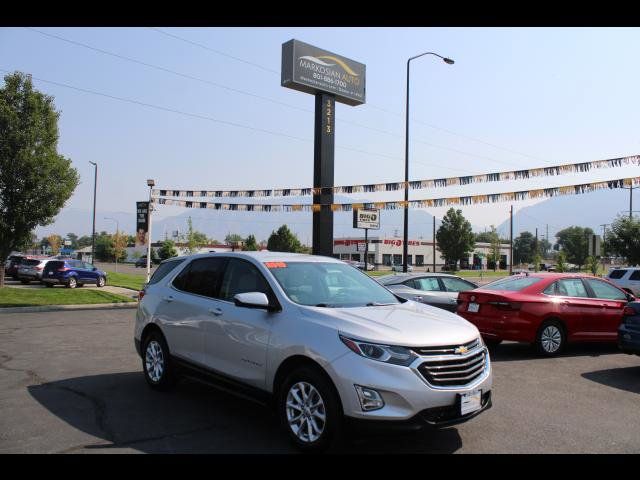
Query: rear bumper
{"points": [[436, 417]]}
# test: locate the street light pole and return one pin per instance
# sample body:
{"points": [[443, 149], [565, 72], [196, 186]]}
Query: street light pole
{"points": [[93, 231], [117, 238], [150, 184], [405, 241]]}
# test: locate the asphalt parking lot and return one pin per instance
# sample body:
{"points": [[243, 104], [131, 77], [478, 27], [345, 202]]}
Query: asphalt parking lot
{"points": [[71, 382]]}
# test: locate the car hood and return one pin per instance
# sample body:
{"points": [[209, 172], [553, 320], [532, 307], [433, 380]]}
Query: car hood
{"points": [[407, 324]]}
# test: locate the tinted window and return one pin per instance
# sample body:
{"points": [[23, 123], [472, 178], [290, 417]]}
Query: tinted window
{"points": [[202, 277], [429, 284], [410, 283], [604, 290], [163, 270], [551, 289], [54, 265], [617, 274], [572, 287], [635, 275], [513, 284], [241, 277], [453, 284], [30, 262]]}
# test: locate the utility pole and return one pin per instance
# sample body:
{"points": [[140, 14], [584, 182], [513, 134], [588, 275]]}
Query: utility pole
{"points": [[434, 243], [511, 241], [93, 230], [604, 242]]}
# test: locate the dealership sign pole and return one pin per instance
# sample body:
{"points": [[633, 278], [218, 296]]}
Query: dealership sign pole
{"points": [[366, 218], [330, 78]]}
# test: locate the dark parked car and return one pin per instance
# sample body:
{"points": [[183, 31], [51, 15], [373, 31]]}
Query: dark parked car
{"points": [[435, 289], [629, 329], [11, 266], [142, 262], [72, 274]]}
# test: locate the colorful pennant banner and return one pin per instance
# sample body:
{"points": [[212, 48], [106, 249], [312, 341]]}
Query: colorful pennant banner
{"points": [[427, 203], [413, 185]]}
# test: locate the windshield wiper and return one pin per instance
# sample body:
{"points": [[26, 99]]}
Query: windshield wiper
{"points": [[329, 305], [376, 304]]}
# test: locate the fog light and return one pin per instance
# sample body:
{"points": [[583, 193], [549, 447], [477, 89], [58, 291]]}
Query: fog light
{"points": [[369, 398]]}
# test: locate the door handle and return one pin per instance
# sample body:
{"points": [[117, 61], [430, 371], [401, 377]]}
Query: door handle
{"points": [[417, 299], [215, 311], [168, 299]]}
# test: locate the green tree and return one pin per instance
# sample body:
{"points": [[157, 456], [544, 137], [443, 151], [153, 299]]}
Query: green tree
{"points": [[232, 238], [537, 260], [561, 265], [494, 250], [284, 240], [574, 241], [524, 248], [544, 247], [104, 247], [35, 180], [592, 264], [74, 240], [84, 241], [251, 244], [623, 239], [55, 242], [195, 239], [167, 250], [455, 238]]}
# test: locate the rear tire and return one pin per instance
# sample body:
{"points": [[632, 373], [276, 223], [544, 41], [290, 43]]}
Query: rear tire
{"points": [[551, 338], [309, 410], [156, 363]]}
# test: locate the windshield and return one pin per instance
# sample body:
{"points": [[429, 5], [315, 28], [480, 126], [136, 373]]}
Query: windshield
{"points": [[329, 285], [513, 284]]}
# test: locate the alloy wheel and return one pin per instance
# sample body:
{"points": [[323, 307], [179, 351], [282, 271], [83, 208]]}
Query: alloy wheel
{"points": [[551, 338], [154, 361], [306, 412]]}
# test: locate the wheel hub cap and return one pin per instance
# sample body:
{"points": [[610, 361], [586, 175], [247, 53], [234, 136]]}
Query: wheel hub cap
{"points": [[154, 361], [306, 412], [551, 338]]}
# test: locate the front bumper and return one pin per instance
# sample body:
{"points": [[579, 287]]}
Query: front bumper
{"points": [[406, 393], [629, 339]]}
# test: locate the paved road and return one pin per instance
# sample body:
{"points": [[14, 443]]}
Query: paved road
{"points": [[72, 382]]}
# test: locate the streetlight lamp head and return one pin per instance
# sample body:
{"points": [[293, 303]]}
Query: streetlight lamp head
{"points": [[93, 163], [449, 61], [150, 183]]}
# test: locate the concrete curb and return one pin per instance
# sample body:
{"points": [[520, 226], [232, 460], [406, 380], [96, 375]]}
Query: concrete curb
{"points": [[56, 308]]}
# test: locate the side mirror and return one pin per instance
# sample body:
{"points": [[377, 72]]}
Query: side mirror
{"points": [[251, 300], [630, 297], [95, 268]]}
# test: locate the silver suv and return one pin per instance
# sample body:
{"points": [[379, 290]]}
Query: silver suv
{"points": [[315, 337], [627, 279]]}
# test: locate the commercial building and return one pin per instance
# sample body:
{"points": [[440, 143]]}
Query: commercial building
{"points": [[387, 251]]}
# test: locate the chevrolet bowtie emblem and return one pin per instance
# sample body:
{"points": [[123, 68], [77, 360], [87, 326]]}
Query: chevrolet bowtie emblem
{"points": [[461, 350]]}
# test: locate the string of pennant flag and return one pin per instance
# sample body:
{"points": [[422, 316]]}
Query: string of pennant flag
{"points": [[413, 185], [427, 203]]}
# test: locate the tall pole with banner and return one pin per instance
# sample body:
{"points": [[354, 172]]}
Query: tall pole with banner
{"points": [[366, 218], [150, 184], [331, 78]]}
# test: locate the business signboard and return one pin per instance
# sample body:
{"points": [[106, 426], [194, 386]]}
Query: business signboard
{"points": [[142, 224], [366, 218], [310, 69]]}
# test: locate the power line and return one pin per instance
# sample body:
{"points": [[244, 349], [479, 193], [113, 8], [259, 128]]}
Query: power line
{"points": [[267, 99]]}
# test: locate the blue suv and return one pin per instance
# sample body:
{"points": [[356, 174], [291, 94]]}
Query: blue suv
{"points": [[72, 274]]}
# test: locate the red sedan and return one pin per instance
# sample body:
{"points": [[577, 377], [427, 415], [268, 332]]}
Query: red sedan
{"points": [[548, 309]]}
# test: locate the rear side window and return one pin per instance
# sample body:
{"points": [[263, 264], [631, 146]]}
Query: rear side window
{"points": [[202, 277], [54, 265], [513, 284], [163, 270], [615, 274], [429, 284], [635, 275], [572, 287], [453, 284], [604, 290], [30, 262]]}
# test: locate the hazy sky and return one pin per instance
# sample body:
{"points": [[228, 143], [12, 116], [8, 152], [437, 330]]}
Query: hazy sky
{"points": [[515, 98]]}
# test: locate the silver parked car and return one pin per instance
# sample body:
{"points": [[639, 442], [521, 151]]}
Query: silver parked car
{"points": [[30, 269], [436, 289], [315, 337]]}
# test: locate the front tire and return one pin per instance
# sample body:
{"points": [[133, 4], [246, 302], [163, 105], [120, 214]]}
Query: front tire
{"points": [[309, 410], [72, 283], [551, 338], [156, 363], [100, 282]]}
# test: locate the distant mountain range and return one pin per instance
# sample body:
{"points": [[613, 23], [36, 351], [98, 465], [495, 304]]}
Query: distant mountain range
{"points": [[589, 210]]}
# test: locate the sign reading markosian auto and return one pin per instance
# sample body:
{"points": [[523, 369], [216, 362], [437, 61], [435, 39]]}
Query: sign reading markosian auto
{"points": [[311, 70]]}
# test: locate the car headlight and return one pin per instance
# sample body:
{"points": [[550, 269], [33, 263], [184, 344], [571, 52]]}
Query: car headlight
{"points": [[382, 353]]}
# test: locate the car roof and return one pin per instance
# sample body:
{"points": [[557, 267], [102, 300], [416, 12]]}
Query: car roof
{"points": [[401, 277], [266, 256]]}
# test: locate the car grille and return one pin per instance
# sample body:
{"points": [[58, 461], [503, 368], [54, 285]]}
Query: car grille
{"points": [[446, 349], [454, 371]]}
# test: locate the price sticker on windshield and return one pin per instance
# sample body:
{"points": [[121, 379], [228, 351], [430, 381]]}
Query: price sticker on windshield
{"points": [[275, 264]]}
